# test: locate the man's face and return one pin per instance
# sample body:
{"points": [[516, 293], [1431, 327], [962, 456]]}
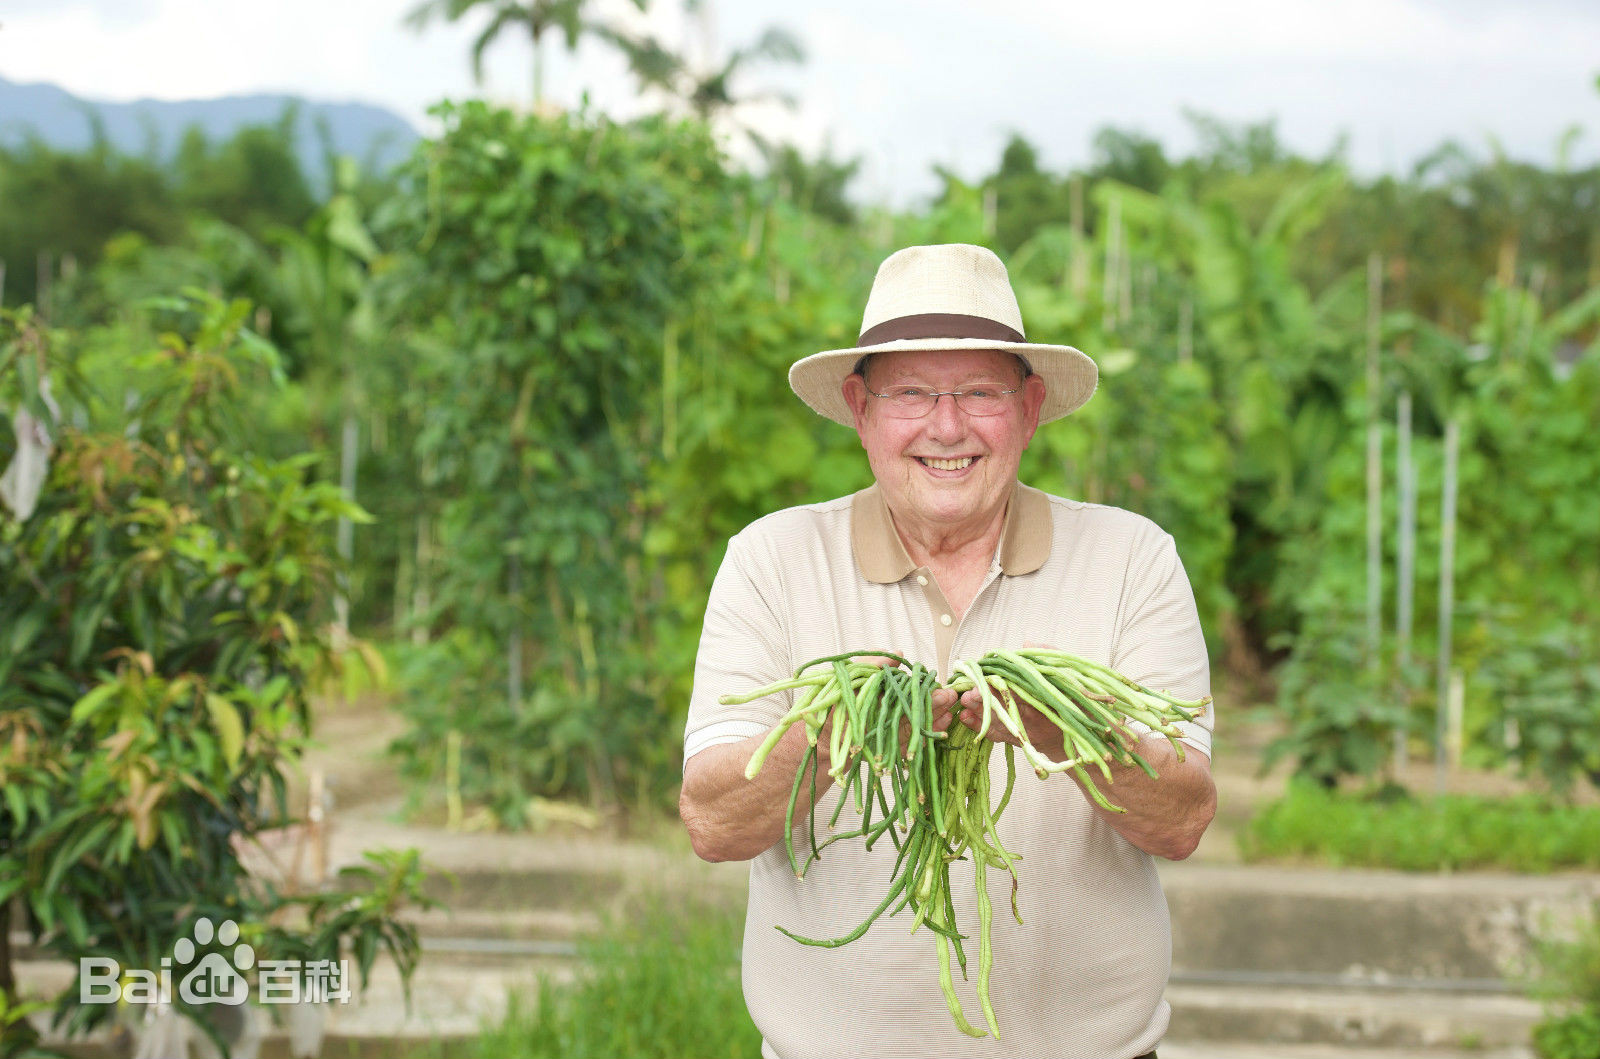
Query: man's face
{"points": [[947, 468]]}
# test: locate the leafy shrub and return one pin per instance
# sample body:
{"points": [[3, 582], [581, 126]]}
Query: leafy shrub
{"points": [[1569, 977], [1575, 1036], [1341, 721], [1548, 687], [162, 616], [1526, 834], [547, 264]]}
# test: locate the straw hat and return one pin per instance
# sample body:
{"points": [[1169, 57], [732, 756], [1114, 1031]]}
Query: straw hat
{"points": [[950, 296]]}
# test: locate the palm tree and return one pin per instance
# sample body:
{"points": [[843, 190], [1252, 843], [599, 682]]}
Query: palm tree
{"points": [[705, 87], [537, 17]]}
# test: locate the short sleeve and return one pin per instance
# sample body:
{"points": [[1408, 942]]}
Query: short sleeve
{"points": [[1159, 642], [742, 647]]}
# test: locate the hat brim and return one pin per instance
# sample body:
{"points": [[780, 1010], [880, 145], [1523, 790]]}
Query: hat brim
{"points": [[1069, 375]]}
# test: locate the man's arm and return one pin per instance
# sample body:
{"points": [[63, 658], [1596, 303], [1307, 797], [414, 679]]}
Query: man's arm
{"points": [[1165, 816], [731, 818]]}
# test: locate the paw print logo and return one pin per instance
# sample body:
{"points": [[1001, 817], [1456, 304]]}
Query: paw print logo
{"points": [[216, 978]]}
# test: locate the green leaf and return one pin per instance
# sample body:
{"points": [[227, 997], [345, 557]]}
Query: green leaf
{"points": [[229, 728], [18, 806], [74, 853], [91, 703]]}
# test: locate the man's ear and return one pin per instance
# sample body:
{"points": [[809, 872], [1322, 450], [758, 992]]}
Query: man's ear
{"points": [[856, 396], [1033, 394]]}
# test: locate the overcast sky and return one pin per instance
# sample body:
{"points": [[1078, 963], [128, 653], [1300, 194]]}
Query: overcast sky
{"points": [[909, 84]]}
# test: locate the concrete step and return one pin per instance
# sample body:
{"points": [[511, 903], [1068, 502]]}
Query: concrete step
{"points": [[1401, 1021], [1376, 927], [455, 993]]}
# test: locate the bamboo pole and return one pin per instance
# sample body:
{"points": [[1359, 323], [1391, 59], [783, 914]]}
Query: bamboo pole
{"points": [[1079, 267], [1186, 329], [514, 637], [421, 584], [1110, 293], [1406, 539], [345, 535], [1374, 466], [41, 289], [1447, 554]]}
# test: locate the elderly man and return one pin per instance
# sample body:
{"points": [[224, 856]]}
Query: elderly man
{"points": [[945, 557]]}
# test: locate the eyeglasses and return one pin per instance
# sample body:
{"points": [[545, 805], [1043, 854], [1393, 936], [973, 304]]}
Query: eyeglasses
{"points": [[912, 402]]}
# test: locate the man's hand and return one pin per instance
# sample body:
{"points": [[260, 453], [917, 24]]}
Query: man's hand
{"points": [[1045, 735], [1164, 816]]}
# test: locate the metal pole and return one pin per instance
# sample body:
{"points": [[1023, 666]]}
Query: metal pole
{"points": [[1447, 553]]}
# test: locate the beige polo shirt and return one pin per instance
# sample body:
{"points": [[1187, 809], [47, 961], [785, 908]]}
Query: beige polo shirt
{"points": [[1084, 975]]}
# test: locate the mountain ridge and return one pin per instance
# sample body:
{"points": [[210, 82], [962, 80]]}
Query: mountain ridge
{"points": [[152, 128]]}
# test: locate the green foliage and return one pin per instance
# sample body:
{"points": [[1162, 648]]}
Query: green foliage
{"points": [[162, 635], [1575, 1036], [64, 206], [584, 242], [1341, 719], [252, 180], [1568, 978], [1446, 833], [18, 1038], [1548, 690], [664, 984], [524, 260]]}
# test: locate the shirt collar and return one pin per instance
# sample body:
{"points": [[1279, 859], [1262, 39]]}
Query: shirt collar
{"points": [[882, 558]]}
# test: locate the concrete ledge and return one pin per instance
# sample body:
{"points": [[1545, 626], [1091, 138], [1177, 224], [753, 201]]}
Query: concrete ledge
{"points": [[1366, 925], [1366, 1018]]}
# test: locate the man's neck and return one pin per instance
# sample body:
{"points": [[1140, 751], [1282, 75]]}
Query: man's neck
{"points": [[947, 547]]}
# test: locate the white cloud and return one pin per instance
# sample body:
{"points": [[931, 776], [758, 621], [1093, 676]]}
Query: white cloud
{"points": [[907, 84]]}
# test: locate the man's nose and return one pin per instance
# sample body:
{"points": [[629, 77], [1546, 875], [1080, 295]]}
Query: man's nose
{"points": [[947, 419]]}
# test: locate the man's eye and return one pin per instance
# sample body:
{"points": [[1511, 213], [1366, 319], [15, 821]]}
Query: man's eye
{"points": [[907, 393], [982, 394]]}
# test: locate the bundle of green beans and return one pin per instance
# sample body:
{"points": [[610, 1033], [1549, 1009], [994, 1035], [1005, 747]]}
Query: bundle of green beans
{"points": [[1086, 700], [938, 807]]}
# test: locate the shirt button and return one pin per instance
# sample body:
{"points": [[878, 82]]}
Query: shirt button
{"points": [[922, 580], [944, 619]]}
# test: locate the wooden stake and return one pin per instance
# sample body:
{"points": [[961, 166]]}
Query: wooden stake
{"points": [[316, 823]]}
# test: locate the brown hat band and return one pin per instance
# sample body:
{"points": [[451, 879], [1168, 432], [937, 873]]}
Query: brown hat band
{"points": [[938, 325]]}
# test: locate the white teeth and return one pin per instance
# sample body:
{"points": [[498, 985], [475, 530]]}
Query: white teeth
{"points": [[949, 465]]}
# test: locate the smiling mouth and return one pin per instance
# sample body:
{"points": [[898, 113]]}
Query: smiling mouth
{"points": [[947, 465]]}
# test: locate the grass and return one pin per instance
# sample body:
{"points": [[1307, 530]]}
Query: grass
{"points": [[662, 984], [1527, 833]]}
